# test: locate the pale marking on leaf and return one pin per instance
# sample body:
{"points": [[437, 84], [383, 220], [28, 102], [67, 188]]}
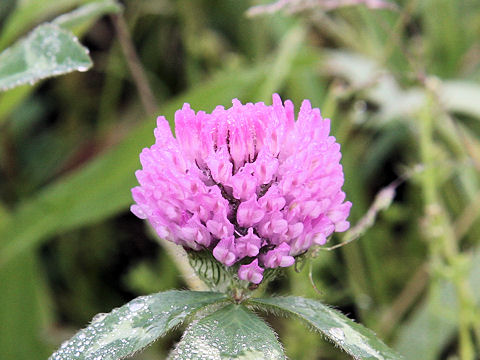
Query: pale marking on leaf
{"points": [[123, 330]]}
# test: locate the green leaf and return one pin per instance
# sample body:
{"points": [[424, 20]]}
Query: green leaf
{"points": [[84, 15], [355, 339], [47, 51], [28, 13], [135, 325], [23, 287], [78, 21], [233, 332]]}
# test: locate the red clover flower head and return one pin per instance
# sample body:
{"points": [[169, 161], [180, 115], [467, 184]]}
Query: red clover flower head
{"points": [[248, 183]]}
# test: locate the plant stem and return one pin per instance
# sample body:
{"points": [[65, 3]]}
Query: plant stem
{"points": [[444, 252], [180, 258], [139, 77]]}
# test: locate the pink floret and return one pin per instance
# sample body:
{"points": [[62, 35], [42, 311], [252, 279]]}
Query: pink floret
{"points": [[251, 272], [248, 183]]}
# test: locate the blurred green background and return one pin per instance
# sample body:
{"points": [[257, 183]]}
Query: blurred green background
{"points": [[401, 85]]}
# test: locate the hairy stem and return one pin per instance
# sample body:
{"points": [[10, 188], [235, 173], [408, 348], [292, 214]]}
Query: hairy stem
{"points": [[443, 244]]}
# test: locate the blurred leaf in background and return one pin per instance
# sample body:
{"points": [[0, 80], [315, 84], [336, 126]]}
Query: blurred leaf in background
{"points": [[47, 51]]}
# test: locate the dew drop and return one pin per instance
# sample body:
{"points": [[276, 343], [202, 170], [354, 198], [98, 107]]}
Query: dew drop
{"points": [[83, 68], [135, 306], [99, 317]]}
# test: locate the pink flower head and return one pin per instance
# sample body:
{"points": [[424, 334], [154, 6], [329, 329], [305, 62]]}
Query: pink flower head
{"points": [[248, 183]]}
